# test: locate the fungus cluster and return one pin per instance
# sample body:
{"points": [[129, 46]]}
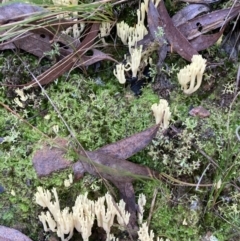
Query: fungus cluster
{"points": [[190, 77], [76, 28], [82, 215], [162, 113], [130, 36]]}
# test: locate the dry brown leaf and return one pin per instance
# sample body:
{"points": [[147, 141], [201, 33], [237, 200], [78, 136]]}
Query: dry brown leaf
{"points": [[106, 162], [205, 41], [127, 147], [35, 44], [50, 159], [189, 12], [207, 22], [97, 56], [174, 36], [17, 11], [69, 61]]}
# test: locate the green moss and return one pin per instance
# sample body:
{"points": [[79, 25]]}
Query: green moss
{"points": [[97, 114], [102, 112]]}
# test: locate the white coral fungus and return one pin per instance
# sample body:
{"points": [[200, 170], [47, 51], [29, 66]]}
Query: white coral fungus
{"points": [[162, 113], [190, 77]]}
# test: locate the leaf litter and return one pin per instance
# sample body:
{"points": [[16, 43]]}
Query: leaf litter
{"points": [[186, 33]]}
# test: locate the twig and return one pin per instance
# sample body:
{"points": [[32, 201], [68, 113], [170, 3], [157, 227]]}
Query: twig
{"points": [[226, 18], [200, 179], [237, 134], [237, 80], [152, 206], [205, 155], [230, 108]]}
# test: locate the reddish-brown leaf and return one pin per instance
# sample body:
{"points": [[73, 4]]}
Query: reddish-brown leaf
{"points": [[127, 147], [51, 159], [174, 36], [204, 41], [67, 63], [97, 56]]}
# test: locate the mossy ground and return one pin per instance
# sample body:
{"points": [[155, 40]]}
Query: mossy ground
{"points": [[103, 112]]}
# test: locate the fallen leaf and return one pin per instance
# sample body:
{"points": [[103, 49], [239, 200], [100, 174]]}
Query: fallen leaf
{"points": [[207, 22], [50, 159], [189, 12], [205, 41], [173, 34], [17, 11], [96, 57], [153, 25], [129, 146], [107, 162], [34, 44], [69, 61]]}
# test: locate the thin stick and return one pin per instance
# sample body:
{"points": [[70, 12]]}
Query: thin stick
{"points": [[205, 155], [200, 179], [152, 206]]}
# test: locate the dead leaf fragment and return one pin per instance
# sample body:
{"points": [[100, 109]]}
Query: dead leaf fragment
{"points": [[17, 11], [127, 147], [96, 57], [204, 41], [207, 22], [69, 61], [174, 36], [189, 12], [50, 159], [200, 112], [36, 44], [153, 25]]}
